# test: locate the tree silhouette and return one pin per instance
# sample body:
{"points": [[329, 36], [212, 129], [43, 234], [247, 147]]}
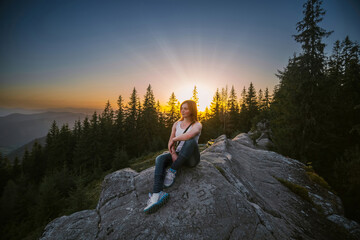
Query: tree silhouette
{"points": [[173, 111]]}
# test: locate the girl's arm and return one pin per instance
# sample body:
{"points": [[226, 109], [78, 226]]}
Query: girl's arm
{"points": [[195, 130], [172, 136]]}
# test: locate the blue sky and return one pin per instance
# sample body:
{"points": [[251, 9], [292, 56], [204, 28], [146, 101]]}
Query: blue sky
{"points": [[81, 53]]}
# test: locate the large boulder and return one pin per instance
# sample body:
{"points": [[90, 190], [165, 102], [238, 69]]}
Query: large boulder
{"points": [[237, 191]]}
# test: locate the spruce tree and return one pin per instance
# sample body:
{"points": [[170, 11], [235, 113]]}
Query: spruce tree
{"points": [[131, 124], [298, 101], [266, 99], [223, 108], [66, 145], [83, 152], [5, 171], [94, 147], [107, 135], [35, 165], [173, 113], [148, 121], [260, 100], [243, 115], [310, 36], [251, 106], [233, 109], [195, 96], [213, 126], [53, 148], [121, 159], [119, 123], [163, 132]]}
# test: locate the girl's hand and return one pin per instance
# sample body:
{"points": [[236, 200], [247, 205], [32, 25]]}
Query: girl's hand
{"points": [[174, 156], [171, 144], [173, 150]]}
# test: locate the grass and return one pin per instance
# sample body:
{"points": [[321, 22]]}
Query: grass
{"points": [[297, 189], [313, 176], [220, 170], [141, 163]]}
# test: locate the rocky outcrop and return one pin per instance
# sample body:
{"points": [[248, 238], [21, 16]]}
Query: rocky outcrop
{"points": [[236, 192]]}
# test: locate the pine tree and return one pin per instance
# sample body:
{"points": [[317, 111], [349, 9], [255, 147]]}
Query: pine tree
{"points": [[77, 130], [119, 123], [267, 99], [94, 148], [260, 100], [131, 124], [53, 148], [207, 114], [173, 113], [264, 107], [195, 96], [310, 36], [215, 105], [52, 134], [83, 152], [213, 125], [5, 171], [233, 108], [243, 112], [66, 145], [149, 121], [251, 105], [16, 169], [223, 107], [299, 99], [121, 159], [243, 98], [35, 164], [163, 132], [107, 135]]}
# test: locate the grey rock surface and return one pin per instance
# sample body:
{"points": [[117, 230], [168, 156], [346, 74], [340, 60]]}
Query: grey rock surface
{"points": [[232, 194], [80, 225]]}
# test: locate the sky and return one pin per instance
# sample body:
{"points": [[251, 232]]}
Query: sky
{"points": [[80, 54]]}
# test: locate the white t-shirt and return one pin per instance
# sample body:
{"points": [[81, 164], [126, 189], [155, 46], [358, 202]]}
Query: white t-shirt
{"points": [[180, 131]]}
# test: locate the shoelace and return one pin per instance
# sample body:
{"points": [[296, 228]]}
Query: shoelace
{"points": [[171, 174], [149, 201]]}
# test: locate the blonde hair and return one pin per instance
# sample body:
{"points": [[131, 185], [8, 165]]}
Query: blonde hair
{"points": [[193, 110]]}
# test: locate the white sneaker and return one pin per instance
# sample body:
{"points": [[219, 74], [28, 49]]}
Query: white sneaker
{"points": [[169, 178], [156, 201]]}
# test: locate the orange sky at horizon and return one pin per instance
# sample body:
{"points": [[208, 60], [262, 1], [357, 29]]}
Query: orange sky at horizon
{"points": [[92, 87], [94, 97]]}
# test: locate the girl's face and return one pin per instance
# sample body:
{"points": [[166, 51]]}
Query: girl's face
{"points": [[185, 111]]}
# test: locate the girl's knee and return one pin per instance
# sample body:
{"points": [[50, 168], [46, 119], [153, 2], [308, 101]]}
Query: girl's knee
{"points": [[191, 141], [160, 159]]}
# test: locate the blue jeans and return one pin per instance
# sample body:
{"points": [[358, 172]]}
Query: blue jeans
{"points": [[189, 156]]}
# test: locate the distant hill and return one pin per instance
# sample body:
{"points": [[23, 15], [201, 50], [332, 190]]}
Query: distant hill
{"points": [[18, 129], [19, 152]]}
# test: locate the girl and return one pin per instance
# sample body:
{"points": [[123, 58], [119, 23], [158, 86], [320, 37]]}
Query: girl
{"points": [[186, 132]]}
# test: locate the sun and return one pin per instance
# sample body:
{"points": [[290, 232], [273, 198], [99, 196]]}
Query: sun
{"points": [[205, 94]]}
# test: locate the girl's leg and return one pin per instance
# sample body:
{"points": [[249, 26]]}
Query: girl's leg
{"points": [[194, 159], [189, 154], [161, 162]]}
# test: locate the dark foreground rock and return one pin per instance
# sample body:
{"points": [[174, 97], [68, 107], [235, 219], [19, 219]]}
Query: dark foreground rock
{"points": [[234, 193]]}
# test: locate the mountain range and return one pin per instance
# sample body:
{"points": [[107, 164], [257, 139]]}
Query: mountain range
{"points": [[19, 129]]}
